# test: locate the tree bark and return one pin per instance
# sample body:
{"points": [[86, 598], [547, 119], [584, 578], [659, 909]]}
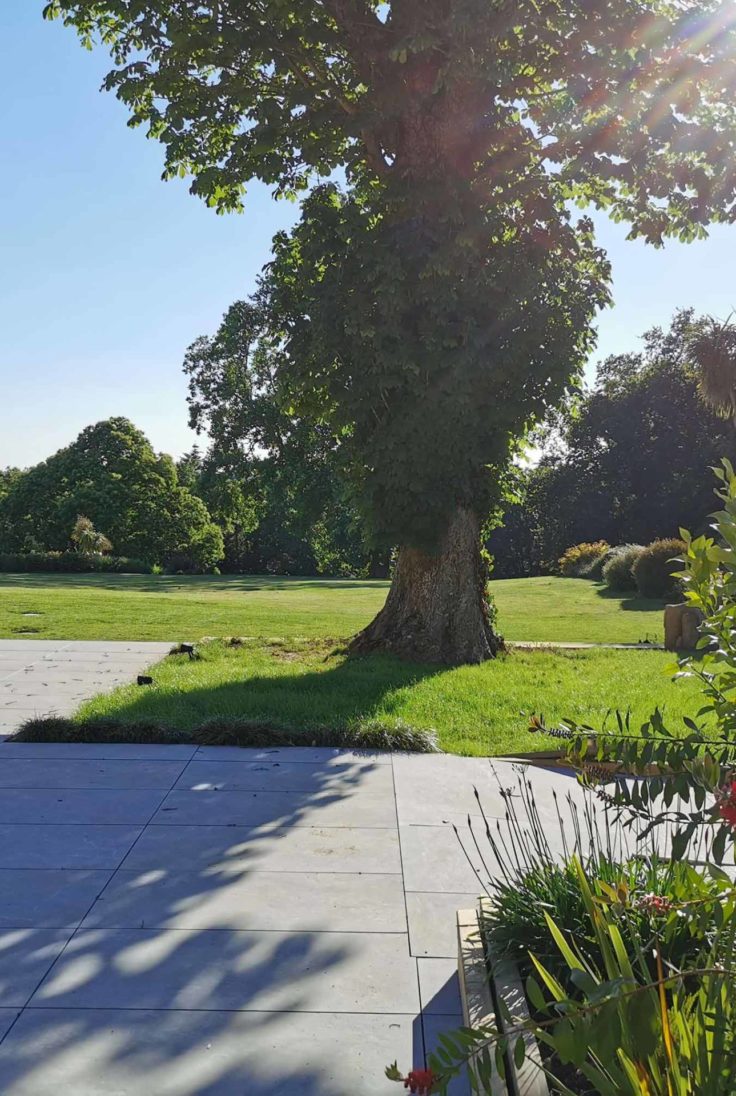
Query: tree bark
{"points": [[437, 609]]}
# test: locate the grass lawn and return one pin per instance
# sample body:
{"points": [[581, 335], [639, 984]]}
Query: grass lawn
{"points": [[138, 607], [474, 709]]}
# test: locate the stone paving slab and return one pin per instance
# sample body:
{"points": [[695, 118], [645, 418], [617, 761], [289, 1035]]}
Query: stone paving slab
{"points": [[35, 845], [79, 774], [433, 1027], [26, 955], [439, 987], [293, 902], [220, 849], [118, 806], [46, 677], [369, 808], [431, 918], [310, 755], [53, 898], [285, 776], [184, 1053], [433, 859], [281, 934], [105, 751], [240, 970]]}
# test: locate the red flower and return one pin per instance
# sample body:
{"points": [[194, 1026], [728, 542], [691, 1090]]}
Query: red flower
{"points": [[727, 803], [656, 904], [420, 1081]]}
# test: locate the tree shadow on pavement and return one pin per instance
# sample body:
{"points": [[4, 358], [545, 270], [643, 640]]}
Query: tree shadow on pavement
{"points": [[250, 942]]}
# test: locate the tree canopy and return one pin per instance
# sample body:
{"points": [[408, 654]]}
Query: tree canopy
{"points": [[112, 477], [629, 103], [631, 459], [271, 479]]}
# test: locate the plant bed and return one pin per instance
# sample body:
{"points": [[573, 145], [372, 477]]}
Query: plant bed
{"points": [[491, 991]]}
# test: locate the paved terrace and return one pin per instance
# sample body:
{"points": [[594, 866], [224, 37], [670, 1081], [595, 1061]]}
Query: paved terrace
{"points": [[178, 920], [52, 677]]}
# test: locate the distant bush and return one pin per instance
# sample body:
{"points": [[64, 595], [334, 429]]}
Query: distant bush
{"points": [[594, 569], [653, 569], [617, 570], [578, 560], [72, 562]]}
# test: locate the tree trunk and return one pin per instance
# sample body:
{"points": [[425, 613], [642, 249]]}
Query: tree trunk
{"points": [[437, 609]]}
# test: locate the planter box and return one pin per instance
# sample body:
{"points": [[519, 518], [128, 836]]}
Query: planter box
{"points": [[484, 981]]}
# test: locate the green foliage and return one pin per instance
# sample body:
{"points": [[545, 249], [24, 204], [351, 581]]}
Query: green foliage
{"points": [[627, 461], [284, 93], [8, 477], [73, 562], [87, 539], [271, 479], [594, 569], [655, 566], [577, 560], [442, 304], [243, 732], [617, 570], [631, 1033], [112, 475], [421, 406], [691, 783], [713, 349], [531, 882], [600, 1011]]}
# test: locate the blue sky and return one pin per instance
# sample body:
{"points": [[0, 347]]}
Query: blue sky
{"points": [[107, 274]]}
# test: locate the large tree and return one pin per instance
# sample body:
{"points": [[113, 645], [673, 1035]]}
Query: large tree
{"points": [[435, 305], [630, 461], [112, 476], [272, 479]]}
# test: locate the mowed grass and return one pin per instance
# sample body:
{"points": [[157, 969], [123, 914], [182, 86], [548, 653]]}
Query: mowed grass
{"points": [[159, 607], [474, 709]]}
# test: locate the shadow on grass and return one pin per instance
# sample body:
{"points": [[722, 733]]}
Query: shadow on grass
{"points": [[166, 584], [203, 965], [343, 696], [631, 601]]}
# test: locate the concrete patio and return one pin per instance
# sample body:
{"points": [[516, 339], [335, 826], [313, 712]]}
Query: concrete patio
{"points": [[179, 920], [52, 677]]}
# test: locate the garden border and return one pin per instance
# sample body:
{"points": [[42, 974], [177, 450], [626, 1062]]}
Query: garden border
{"points": [[484, 981]]}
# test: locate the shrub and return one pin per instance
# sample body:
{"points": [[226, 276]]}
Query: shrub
{"points": [[654, 569], [87, 539], [617, 570], [632, 1033], [531, 881], [577, 560], [72, 562], [594, 569]]}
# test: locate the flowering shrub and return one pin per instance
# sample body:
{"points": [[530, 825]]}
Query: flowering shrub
{"points": [[577, 560]]}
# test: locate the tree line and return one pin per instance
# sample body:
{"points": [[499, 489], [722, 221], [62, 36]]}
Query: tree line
{"points": [[627, 460]]}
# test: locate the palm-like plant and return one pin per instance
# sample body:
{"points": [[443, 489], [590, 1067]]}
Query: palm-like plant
{"points": [[713, 350], [87, 539]]}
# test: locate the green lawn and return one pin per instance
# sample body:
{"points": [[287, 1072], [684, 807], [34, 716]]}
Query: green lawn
{"points": [[165, 608], [474, 709], [302, 682]]}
